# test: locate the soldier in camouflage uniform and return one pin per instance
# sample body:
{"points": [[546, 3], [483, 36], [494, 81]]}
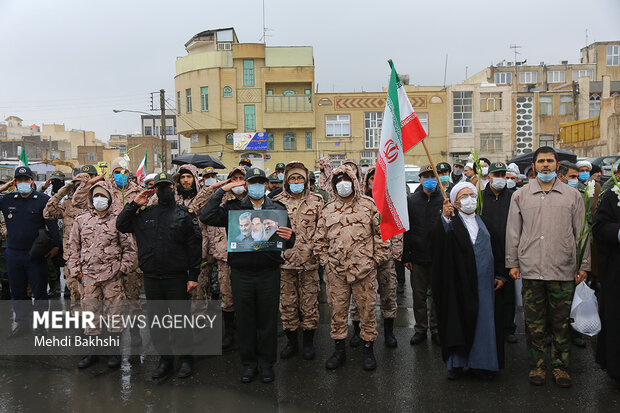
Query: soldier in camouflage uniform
{"points": [[386, 277], [60, 206], [218, 243], [99, 256], [348, 243], [299, 276], [123, 192]]}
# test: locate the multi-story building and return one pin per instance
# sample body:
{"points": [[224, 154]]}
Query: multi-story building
{"points": [[76, 137], [150, 125], [15, 129]]}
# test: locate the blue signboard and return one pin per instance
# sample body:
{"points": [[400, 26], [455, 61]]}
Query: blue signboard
{"points": [[250, 141]]}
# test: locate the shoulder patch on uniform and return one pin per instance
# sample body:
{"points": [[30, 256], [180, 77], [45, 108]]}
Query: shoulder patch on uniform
{"points": [[191, 211], [142, 208]]}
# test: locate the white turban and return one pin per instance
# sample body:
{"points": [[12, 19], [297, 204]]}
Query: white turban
{"points": [[513, 168], [458, 188], [470, 164], [584, 163]]}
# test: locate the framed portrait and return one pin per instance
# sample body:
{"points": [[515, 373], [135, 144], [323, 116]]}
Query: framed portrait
{"points": [[255, 230]]}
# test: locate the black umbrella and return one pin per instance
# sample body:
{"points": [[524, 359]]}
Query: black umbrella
{"points": [[199, 161], [525, 160]]}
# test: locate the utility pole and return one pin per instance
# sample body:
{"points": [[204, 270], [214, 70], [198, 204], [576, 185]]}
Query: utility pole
{"points": [[515, 47], [162, 106]]}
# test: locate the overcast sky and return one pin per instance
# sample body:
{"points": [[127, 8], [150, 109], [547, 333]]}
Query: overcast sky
{"points": [[73, 61]]}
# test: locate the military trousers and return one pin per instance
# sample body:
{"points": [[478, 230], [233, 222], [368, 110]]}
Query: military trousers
{"points": [[102, 298], [23, 270], [256, 295], [364, 292], [223, 276], [299, 295], [547, 303], [386, 277]]}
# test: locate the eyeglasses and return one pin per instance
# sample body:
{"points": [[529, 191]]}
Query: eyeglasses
{"points": [[465, 196], [296, 180]]}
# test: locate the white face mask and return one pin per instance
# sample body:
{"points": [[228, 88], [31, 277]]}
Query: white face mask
{"points": [[485, 170], [468, 205], [344, 188], [238, 190], [510, 184], [100, 203], [498, 183], [210, 181]]}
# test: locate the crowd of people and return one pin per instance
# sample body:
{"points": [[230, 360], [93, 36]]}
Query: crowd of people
{"points": [[476, 231]]}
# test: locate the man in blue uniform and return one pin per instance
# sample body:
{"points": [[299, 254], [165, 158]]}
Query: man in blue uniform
{"points": [[23, 214]]}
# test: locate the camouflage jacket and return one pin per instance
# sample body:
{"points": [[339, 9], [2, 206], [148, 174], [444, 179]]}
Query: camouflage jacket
{"points": [[59, 207], [348, 238], [96, 248], [304, 215], [82, 194]]}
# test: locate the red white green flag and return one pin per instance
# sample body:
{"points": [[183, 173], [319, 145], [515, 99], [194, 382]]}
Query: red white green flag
{"points": [[141, 172], [401, 130]]}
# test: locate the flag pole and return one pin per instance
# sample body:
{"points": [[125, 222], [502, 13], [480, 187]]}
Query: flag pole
{"points": [[428, 155]]}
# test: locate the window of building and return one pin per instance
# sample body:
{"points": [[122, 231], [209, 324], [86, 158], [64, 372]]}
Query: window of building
{"points": [[337, 125], [188, 98], [91, 156], [546, 140], [229, 139], [248, 72], [490, 102], [269, 92], [288, 92], [372, 129], [224, 46], [613, 55], [423, 120], [227, 91], [337, 160], [174, 145], [503, 78], [290, 141], [580, 73], [490, 142], [156, 130], [250, 118], [595, 105], [556, 76], [369, 156], [461, 112], [179, 103], [308, 140], [270, 141], [566, 105], [169, 130], [546, 105], [204, 98], [148, 131], [528, 77]]}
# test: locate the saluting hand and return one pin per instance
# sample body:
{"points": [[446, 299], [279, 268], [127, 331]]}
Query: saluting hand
{"points": [[220, 183], [144, 196], [96, 179], [231, 185], [7, 185], [191, 285], [285, 233]]}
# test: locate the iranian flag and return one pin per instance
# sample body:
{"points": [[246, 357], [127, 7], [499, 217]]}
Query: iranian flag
{"points": [[23, 159], [401, 130], [141, 172]]}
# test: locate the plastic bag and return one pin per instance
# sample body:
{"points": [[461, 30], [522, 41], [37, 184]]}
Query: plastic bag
{"points": [[584, 311]]}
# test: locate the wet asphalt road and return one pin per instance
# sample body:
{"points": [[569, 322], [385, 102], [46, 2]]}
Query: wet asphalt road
{"points": [[408, 378]]}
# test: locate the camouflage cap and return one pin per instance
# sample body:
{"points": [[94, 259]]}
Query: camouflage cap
{"points": [[163, 178], [280, 166], [89, 169], [57, 175], [274, 178], [497, 167], [443, 167]]}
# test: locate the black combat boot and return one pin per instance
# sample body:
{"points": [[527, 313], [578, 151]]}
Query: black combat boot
{"points": [[355, 340], [292, 347], [87, 361], [115, 360], [136, 338], [308, 352], [339, 356], [388, 332], [229, 329], [369, 356]]}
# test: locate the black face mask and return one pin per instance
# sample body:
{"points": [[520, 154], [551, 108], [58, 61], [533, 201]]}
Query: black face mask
{"points": [[165, 195], [56, 185]]}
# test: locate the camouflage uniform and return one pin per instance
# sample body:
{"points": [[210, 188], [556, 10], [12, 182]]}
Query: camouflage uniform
{"points": [[132, 281], [299, 279], [102, 255], [60, 206], [348, 243]]}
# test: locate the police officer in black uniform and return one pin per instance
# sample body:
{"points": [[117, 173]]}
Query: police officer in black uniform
{"points": [[23, 215], [169, 253], [254, 276]]}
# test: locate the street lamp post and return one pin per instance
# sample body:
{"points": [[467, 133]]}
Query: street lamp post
{"points": [[162, 130]]}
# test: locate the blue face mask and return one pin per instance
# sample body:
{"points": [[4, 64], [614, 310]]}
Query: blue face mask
{"points": [[444, 179], [584, 176], [296, 188], [281, 176], [573, 182], [429, 184], [546, 177], [120, 179], [24, 188], [256, 191]]}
